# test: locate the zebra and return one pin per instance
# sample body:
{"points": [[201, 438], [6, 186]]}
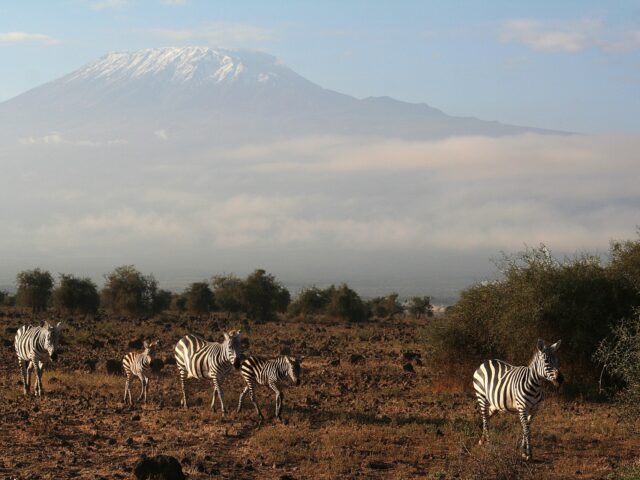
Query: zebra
{"points": [[33, 346], [197, 358], [273, 373], [138, 364], [501, 387]]}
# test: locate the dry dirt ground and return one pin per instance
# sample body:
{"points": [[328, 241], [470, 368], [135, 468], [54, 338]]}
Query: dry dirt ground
{"points": [[369, 419]]}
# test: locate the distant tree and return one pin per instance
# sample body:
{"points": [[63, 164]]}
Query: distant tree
{"points": [[178, 302], [162, 301], [347, 305], [228, 292], [3, 297], [264, 296], [34, 289], [385, 307], [199, 298], [311, 301], [76, 295], [419, 306], [127, 290]]}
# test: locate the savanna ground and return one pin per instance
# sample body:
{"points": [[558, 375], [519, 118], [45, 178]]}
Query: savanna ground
{"points": [[369, 419]]}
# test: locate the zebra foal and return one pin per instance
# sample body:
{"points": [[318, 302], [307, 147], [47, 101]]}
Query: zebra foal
{"points": [[501, 387], [197, 358], [273, 373], [138, 364], [34, 345]]}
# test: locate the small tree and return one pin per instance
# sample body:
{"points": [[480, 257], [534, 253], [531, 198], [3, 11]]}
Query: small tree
{"points": [[311, 301], [228, 291], [34, 289], [76, 295], [199, 298], [127, 290], [385, 307], [3, 296], [264, 296], [178, 302], [162, 301], [419, 306], [347, 305]]}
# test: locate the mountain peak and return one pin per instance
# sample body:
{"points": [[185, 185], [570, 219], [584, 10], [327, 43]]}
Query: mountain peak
{"points": [[184, 64]]}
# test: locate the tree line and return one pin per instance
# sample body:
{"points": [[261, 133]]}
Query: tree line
{"points": [[259, 296]]}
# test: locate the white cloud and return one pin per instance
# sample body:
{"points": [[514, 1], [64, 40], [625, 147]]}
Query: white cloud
{"points": [[175, 3], [161, 134], [110, 4], [56, 138], [219, 33], [24, 37], [568, 37]]}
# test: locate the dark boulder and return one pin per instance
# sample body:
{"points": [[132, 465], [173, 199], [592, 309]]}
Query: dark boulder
{"points": [[114, 367], [160, 467]]}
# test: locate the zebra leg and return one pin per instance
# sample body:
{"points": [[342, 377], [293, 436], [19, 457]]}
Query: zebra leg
{"points": [[252, 394], [484, 412], [146, 388], [244, 392], [23, 373], [218, 383], [274, 387], [213, 396], [29, 368], [38, 368], [526, 434], [141, 388], [126, 387], [183, 402]]}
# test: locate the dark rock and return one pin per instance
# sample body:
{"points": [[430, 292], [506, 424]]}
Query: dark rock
{"points": [[286, 476], [170, 361], [7, 343], [157, 365], [376, 465], [137, 343], [286, 350], [407, 367], [160, 467], [410, 356], [356, 358], [114, 367], [89, 365]]}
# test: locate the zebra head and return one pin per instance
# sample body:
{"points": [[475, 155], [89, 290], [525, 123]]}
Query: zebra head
{"points": [[231, 347], [51, 338], [546, 362], [150, 346], [295, 372]]}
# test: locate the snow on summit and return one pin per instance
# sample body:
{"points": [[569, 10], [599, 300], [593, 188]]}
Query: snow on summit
{"points": [[185, 64]]}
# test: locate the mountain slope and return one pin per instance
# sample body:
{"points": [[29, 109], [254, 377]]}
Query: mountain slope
{"points": [[212, 96]]}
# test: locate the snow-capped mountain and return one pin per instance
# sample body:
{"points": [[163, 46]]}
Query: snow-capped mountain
{"points": [[205, 96]]}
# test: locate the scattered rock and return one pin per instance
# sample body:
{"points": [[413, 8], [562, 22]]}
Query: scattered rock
{"points": [[114, 367], [89, 365], [410, 356], [376, 465], [356, 358], [157, 365], [407, 367], [170, 360], [160, 467], [137, 343], [335, 362]]}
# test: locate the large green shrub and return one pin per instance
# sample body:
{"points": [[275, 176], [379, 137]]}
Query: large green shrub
{"points": [[76, 295], [578, 300], [385, 307], [228, 291], [126, 290], [264, 296], [199, 298], [311, 301], [346, 304], [34, 289]]}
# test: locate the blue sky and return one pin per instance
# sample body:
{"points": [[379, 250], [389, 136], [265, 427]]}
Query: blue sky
{"points": [[571, 65]]}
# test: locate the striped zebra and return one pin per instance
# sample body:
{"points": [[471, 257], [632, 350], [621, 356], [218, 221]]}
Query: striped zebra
{"points": [[33, 346], [501, 387], [197, 358], [138, 364], [273, 373]]}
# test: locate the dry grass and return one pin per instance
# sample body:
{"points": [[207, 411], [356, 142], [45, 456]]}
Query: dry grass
{"points": [[368, 420]]}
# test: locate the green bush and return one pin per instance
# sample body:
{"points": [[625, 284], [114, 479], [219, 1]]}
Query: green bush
{"points": [[347, 305], [619, 355], [76, 295], [162, 301], [264, 296], [34, 289], [178, 302], [578, 300], [128, 291], [421, 306], [311, 301], [199, 298], [228, 291], [385, 307]]}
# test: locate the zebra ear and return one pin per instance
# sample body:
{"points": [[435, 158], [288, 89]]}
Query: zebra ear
{"points": [[555, 346], [226, 335], [146, 344], [540, 345], [59, 325], [46, 324], [300, 359]]}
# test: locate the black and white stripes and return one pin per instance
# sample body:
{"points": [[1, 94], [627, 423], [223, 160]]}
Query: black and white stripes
{"points": [[197, 358], [501, 387], [258, 371], [138, 364], [34, 345]]}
